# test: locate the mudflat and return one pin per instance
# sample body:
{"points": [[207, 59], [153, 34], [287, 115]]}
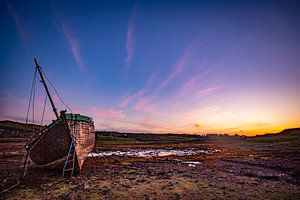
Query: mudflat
{"points": [[219, 167]]}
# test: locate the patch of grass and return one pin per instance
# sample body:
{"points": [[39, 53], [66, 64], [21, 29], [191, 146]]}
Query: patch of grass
{"points": [[146, 138], [20, 126], [113, 139], [285, 195]]}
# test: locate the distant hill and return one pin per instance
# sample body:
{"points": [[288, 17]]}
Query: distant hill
{"points": [[19, 126], [15, 129], [113, 136], [290, 132], [290, 136], [287, 132], [10, 129]]}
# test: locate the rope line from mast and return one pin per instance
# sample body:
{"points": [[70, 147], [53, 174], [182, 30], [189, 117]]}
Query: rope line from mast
{"points": [[31, 94], [30, 103], [45, 102], [33, 99], [55, 90]]}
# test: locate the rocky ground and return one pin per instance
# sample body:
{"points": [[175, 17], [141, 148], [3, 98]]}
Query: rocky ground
{"points": [[241, 170]]}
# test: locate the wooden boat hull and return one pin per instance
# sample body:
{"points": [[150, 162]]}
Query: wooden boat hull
{"points": [[85, 139], [51, 147]]}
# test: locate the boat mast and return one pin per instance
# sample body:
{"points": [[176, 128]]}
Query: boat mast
{"points": [[46, 88]]}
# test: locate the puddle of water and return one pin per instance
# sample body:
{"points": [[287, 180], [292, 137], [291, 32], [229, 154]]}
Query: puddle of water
{"points": [[191, 163], [148, 153]]}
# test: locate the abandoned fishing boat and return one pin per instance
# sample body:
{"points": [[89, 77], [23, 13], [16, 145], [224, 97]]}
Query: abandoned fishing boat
{"points": [[64, 143]]}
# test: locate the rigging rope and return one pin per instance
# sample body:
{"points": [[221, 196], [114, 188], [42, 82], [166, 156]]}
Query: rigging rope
{"points": [[55, 90], [31, 94], [33, 98], [31, 102], [45, 102]]}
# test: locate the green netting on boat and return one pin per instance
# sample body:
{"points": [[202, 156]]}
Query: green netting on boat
{"points": [[78, 117], [70, 116], [54, 123]]}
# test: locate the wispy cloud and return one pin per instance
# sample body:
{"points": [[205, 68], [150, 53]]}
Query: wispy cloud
{"points": [[101, 113], [14, 106], [143, 104], [129, 39], [72, 41], [127, 99], [209, 90], [74, 46], [144, 125], [182, 63], [191, 84], [108, 113], [19, 22], [146, 100]]}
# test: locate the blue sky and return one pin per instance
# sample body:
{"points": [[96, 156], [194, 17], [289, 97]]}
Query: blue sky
{"points": [[157, 66]]}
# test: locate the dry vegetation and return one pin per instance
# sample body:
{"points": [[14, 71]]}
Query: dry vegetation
{"points": [[264, 167]]}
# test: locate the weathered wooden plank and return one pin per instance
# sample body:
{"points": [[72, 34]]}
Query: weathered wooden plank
{"points": [[85, 139], [52, 146]]}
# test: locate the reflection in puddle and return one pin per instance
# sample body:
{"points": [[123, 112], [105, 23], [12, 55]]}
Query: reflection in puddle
{"points": [[191, 163], [147, 153]]}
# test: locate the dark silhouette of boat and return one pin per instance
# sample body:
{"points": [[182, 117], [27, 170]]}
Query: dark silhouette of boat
{"points": [[65, 143]]}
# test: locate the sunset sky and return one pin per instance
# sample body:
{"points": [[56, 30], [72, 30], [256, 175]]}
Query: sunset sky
{"points": [[156, 66]]}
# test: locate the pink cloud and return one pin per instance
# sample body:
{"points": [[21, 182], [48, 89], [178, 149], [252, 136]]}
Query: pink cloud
{"points": [[129, 39], [152, 126], [127, 99], [143, 104], [194, 113], [208, 90], [193, 86], [189, 85], [108, 113], [145, 125], [182, 63], [14, 107]]}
